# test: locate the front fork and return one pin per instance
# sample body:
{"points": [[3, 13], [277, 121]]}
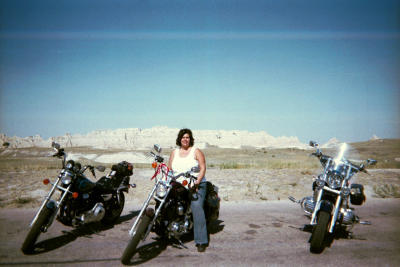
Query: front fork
{"points": [[49, 203], [145, 205], [335, 210]]}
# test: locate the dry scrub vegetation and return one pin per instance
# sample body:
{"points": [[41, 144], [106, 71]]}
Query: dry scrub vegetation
{"points": [[246, 174]]}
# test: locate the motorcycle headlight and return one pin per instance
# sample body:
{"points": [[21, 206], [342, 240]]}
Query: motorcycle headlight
{"points": [[334, 179], [69, 165], [66, 177], [161, 191]]}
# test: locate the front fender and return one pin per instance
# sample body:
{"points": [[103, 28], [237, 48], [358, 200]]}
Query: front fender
{"points": [[51, 205], [326, 206]]}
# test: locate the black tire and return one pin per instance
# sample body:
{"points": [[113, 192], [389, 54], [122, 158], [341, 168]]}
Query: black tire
{"points": [[318, 234], [130, 250], [114, 213], [33, 234]]}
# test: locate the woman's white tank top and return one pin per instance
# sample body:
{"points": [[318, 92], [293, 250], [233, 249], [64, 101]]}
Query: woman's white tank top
{"points": [[184, 164]]}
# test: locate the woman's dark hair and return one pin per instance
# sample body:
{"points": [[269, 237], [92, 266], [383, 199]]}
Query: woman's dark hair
{"points": [[181, 133]]}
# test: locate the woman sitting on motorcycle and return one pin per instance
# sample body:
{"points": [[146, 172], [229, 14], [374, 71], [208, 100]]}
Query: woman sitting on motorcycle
{"points": [[183, 159]]}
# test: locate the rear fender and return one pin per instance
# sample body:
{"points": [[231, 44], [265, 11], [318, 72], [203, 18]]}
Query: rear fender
{"points": [[123, 188]]}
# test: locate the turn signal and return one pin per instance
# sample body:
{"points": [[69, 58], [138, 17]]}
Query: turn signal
{"points": [[46, 181], [154, 165], [75, 195], [185, 182]]}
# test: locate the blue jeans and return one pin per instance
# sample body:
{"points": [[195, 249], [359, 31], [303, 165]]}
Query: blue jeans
{"points": [[199, 218]]}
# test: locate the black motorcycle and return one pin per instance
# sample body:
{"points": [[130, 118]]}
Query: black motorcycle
{"points": [[171, 217], [329, 207], [80, 201]]}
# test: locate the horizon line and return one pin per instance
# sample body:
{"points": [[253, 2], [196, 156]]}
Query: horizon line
{"points": [[224, 35]]}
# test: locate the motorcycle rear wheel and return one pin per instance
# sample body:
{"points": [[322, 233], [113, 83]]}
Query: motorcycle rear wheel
{"points": [[33, 234], [318, 234], [130, 250]]}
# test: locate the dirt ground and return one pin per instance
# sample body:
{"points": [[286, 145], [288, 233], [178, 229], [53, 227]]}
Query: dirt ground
{"points": [[258, 226], [246, 234], [24, 189]]}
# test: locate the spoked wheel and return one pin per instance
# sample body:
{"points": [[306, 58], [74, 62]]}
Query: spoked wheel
{"points": [[319, 232], [30, 240], [130, 250]]}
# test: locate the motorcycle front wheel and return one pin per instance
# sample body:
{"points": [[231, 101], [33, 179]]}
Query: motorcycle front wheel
{"points": [[318, 234], [33, 234], [130, 250]]}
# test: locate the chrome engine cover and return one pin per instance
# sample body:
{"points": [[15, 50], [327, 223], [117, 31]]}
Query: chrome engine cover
{"points": [[178, 228], [308, 205], [180, 210], [94, 215], [348, 216]]}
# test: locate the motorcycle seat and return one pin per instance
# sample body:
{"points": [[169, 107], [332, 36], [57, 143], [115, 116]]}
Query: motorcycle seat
{"points": [[104, 185]]}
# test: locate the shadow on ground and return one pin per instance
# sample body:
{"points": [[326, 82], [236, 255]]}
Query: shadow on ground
{"points": [[153, 249], [83, 231]]}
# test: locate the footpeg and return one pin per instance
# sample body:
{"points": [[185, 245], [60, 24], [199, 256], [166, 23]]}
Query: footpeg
{"points": [[293, 199]]}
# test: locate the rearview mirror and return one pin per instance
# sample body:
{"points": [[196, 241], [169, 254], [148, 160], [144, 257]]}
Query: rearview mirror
{"points": [[55, 145], [157, 148], [195, 169], [313, 144]]}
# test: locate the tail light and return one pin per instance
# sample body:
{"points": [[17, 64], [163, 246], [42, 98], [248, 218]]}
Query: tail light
{"points": [[46, 181], [75, 195], [130, 167], [185, 182]]}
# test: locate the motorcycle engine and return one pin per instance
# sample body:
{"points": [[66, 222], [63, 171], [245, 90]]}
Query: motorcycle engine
{"points": [[308, 205], [178, 228], [348, 216]]}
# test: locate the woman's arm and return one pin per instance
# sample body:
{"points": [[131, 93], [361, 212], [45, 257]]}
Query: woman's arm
{"points": [[202, 164]]}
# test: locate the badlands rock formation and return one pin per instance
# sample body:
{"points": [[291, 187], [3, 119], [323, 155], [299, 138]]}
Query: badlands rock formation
{"points": [[136, 138]]}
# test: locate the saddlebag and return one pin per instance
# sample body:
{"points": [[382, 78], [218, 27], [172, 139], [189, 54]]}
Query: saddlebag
{"points": [[122, 169], [212, 199], [357, 196], [122, 172]]}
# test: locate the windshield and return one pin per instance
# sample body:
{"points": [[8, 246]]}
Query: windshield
{"points": [[343, 151]]}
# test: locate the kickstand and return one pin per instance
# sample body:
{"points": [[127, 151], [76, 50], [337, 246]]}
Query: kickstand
{"points": [[181, 243]]}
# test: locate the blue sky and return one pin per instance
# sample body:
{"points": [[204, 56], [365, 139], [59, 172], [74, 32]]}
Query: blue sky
{"points": [[312, 69]]}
